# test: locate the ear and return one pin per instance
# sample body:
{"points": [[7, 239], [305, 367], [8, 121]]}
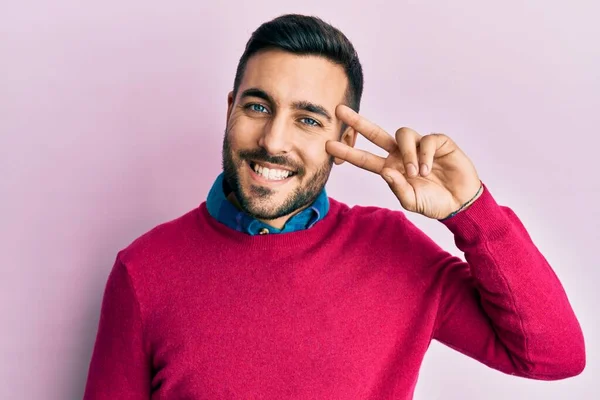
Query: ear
{"points": [[349, 139], [230, 101]]}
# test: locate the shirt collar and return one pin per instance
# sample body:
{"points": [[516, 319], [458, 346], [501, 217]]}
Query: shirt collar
{"points": [[220, 208]]}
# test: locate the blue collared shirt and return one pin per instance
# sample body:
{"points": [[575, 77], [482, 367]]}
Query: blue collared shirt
{"points": [[220, 208]]}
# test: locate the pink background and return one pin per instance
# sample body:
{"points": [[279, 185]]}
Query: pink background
{"points": [[111, 119]]}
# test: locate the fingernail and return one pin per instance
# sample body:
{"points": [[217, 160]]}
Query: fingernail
{"points": [[388, 179], [411, 170], [424, 169]]}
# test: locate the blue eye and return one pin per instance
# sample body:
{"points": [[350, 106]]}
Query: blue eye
{"points": [[309, 121], [258, 108]]}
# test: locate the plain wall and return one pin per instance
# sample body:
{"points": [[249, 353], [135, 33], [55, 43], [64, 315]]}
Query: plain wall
{"points": [[112, 115]]}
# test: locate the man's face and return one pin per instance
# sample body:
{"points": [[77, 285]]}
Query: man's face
{"points": [[274, 156]]}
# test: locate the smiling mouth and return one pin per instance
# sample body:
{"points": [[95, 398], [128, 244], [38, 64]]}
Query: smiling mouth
{"points": [[272, 174]]}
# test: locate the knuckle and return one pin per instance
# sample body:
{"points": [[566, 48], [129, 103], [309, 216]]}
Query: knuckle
{"points": [[346, 154], [440, 136], [402, 131], [372, 134], [363, 160]]}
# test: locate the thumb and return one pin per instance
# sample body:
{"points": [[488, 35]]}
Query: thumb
{"points": [[400, 186]]}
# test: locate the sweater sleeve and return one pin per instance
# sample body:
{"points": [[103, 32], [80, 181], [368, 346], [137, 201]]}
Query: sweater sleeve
{"points": [[120, 366], [505, 306]]}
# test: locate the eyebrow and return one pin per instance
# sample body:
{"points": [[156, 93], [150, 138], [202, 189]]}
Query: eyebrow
{"points": [[261, 94], [298, 105], [312, 108]]}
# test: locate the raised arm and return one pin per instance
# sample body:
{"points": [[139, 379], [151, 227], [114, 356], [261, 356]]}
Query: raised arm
{"points": [[506, 307]]}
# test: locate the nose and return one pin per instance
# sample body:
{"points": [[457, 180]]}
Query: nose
{"points": [[276, 136]]}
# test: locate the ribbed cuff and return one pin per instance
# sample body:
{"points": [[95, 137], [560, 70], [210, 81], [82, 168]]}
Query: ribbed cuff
{"points": [[484, 218]]}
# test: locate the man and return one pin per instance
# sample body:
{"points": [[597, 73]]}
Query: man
{"points": [[272, 290]]}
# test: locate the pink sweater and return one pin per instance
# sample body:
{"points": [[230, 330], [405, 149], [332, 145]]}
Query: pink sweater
{"points": [[344, 310]]}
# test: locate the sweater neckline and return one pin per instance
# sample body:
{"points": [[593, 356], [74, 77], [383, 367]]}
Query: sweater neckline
{"points": [[317, 233]]}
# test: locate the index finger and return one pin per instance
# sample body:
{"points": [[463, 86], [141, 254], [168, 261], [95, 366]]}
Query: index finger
{"points": [[371, 131], [361, 158]]}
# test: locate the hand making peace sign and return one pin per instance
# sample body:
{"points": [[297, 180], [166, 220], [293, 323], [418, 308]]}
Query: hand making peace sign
{"points": [[429, 175]]}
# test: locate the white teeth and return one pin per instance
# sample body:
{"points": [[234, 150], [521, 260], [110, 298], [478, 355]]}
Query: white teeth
{"points": [[271, 174]]}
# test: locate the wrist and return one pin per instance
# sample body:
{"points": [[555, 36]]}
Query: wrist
{"points": [[468, 203]]}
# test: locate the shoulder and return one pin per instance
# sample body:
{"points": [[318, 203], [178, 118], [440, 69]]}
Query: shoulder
{"points": [[387, 225], [162, 241], [359, 214]]}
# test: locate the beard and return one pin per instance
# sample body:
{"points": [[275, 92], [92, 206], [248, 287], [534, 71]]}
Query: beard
{"points": [[254, 200]]}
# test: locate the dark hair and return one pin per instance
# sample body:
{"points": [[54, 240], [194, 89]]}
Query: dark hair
{"points": [[306, 35]]}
